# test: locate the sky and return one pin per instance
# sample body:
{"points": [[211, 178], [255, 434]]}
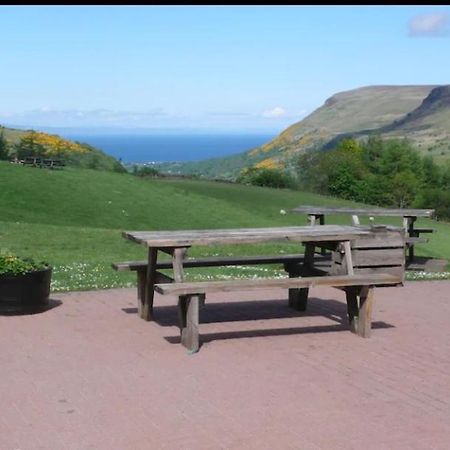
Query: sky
{"points": [[222, 68]]}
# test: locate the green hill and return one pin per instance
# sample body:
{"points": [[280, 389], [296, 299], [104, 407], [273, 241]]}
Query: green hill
{"points": [[75, 154], [74, 218], [419, 113]]}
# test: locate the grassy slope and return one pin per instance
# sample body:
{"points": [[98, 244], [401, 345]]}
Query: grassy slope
{"points": [[74, 218], [92, 158], [364, 108]]}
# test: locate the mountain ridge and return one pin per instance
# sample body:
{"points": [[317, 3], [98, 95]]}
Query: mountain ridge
{"points": [[420, 113]]}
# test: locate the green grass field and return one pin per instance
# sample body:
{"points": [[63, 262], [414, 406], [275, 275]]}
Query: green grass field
{"points": [[73, 219]]}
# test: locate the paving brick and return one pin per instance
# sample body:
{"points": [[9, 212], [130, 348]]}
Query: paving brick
{"points": [[88, 374]]}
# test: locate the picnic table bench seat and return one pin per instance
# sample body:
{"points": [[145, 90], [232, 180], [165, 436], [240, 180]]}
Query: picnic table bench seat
{"points": [[290, 264], [424, 230], [215, 261], [358, 288]]}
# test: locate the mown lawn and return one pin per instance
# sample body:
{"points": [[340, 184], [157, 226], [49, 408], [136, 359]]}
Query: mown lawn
{"points": [[74, 218]]}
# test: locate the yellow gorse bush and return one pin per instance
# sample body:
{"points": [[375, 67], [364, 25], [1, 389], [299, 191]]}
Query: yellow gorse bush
{"points": [[269, 163], [55, 145]]}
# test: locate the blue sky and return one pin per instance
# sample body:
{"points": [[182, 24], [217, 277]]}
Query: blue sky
{"points": [[208, 68]]}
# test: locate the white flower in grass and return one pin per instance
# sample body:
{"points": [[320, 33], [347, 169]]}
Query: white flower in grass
{"points": [[282, 212]]}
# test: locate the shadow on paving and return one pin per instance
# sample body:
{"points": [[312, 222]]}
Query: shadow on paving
{"points": [[208, 337], [253, 310], [52, 303]]}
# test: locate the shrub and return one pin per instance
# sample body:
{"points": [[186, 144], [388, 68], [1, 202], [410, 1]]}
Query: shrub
{"points": [[14, 265], [4, 153], [436, 199], [146, 171], [273, 178]]}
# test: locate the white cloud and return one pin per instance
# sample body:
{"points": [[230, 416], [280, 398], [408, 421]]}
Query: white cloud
{"points": [[430, 24], [276, 112]]}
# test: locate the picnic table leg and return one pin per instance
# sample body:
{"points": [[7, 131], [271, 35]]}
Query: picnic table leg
{"points": [[352, 308], [348, 257], [188, 305], [323, 251], [355, 220], [146, 308], [298, 298], [359, 308], [178, 255], [141, 280], [294, 271], [365, 311], [188, 315], [408, 225], [312, 221]]}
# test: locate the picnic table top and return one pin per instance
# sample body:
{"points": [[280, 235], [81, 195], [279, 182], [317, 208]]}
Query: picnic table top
{"points": [[401, 212], [183, 238]]}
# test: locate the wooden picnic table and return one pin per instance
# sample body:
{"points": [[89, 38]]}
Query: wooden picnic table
{"points": [[409, 215], [178, 243]]}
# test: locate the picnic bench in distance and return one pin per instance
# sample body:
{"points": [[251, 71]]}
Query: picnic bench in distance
{"points": [[43, 163], [361, 258], [409, 218]]}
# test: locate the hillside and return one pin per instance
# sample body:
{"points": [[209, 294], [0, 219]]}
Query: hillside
{"points": [[74, 218], [419, 113], [428, 125], [75, 154]]}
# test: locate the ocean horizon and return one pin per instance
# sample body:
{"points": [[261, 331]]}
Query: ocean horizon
{"points": [[136, 148]]}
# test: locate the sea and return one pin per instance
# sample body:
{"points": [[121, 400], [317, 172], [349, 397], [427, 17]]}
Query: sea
{"points": [[140, 148]]}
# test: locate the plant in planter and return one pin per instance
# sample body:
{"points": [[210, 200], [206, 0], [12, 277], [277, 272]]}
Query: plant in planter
{"points": [[24, 284]]}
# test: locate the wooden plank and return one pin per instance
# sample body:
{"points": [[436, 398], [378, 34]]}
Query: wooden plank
{"points": [[416, 240], [398, 212], [247, 235], [202, 287], [423, 230], [213, 261], [374, 257], [381, 239], [348, 257], [397, 271]]}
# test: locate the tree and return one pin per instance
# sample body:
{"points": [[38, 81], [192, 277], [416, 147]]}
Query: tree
{"points": [[4, 153], [403, 188], [431, 175], [29, 146], [437, 199]]}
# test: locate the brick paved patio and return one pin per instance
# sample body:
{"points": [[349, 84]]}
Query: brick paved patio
{"points": [[88, 374]]}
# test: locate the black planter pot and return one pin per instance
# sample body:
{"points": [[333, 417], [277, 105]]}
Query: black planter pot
{"points": [[25, 293]]}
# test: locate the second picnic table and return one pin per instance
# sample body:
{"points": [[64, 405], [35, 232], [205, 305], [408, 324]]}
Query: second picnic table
{"points": [[317, 213]]}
